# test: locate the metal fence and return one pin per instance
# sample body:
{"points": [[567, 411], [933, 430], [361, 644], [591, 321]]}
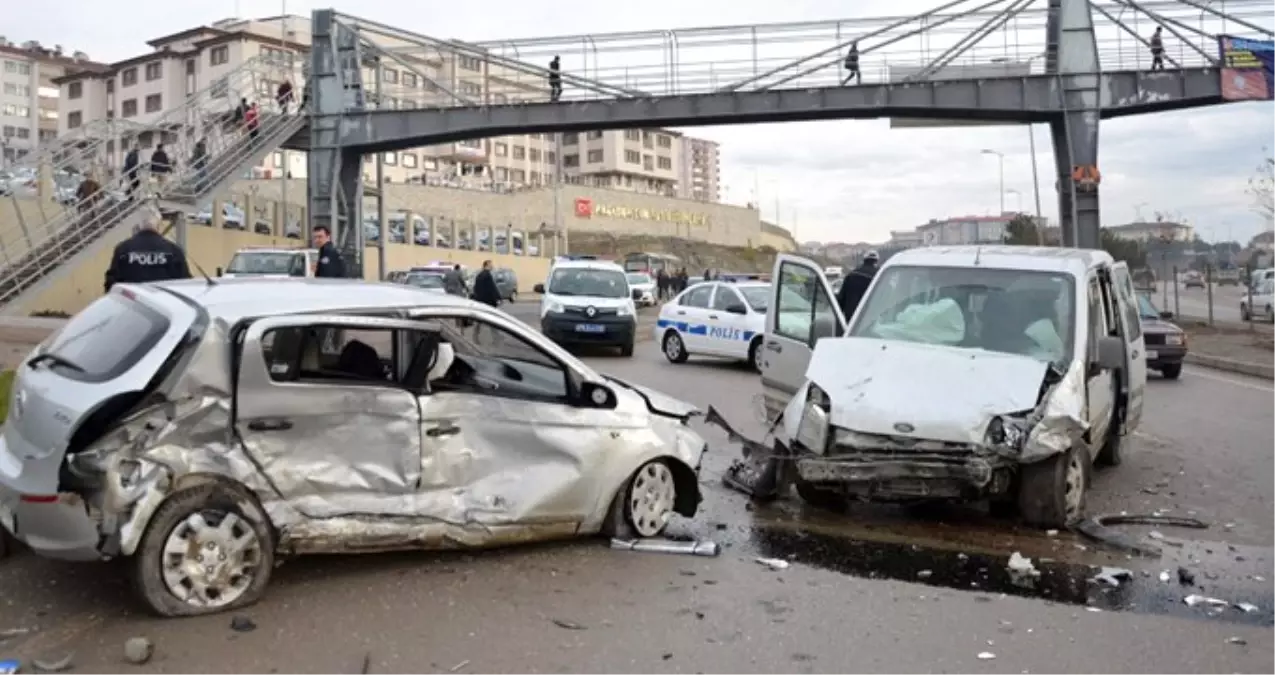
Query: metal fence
{"points": [[1214, 296]]}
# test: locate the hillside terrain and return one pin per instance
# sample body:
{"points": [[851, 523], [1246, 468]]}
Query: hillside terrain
{"points": [[696, 255]]}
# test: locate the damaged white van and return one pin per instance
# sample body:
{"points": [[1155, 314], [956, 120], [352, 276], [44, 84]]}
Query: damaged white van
{"points": [[990, 372]]}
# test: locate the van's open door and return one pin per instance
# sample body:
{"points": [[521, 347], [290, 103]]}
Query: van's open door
{"points": [[1136, 351], [802, 310]]}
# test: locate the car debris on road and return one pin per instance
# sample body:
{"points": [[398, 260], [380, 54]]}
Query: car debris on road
{"points": [[707, 549]]}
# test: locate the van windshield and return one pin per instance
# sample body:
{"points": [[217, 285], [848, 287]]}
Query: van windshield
{"points": [[1009, 311], [267, 262], [105, 339], [594, 283]]}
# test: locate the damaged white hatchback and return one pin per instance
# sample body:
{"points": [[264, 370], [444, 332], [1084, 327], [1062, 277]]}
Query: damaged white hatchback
{"points": [[205, 430], [966, 373]]}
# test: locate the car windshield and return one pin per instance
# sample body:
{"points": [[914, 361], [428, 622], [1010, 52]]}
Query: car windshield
{"points": [[1009, 311], [266, 262], [1146, 309], [758, 298], [424, 280], [595, 283], [639, 279]]}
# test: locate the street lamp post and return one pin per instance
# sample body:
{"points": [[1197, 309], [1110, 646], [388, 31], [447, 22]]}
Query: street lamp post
{"points": [[1001, 157], [1018, 196]]}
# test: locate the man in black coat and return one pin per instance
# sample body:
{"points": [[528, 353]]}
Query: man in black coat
{"points": [[856, 284], [146, 256], [485, 289], [330, 262]]}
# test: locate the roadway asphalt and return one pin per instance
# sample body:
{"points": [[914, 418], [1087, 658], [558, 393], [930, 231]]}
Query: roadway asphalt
{"points": [[872, 589]]}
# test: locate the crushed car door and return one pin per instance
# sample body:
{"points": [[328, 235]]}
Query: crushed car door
{"points": [[802, 310], [1135, 353], [334, 434]]}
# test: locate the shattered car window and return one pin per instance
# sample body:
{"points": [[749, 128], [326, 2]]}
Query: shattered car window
{"points": [[491, 360], [106, 339], [1011, 311]]}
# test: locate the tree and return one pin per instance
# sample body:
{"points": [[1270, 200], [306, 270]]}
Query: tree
{"points": [[1127, 250], [1022, 231], [1262, 187]]}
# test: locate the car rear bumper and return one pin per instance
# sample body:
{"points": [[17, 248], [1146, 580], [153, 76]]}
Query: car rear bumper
{"points": [[60, 529], [891, 477], [1165, 355]]}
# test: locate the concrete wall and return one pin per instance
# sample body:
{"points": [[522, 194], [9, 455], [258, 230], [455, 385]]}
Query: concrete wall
{"points": [[212, 248], [613, 211]]}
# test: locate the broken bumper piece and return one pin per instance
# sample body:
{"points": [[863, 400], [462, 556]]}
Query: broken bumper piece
{"points": [[889, 476]]}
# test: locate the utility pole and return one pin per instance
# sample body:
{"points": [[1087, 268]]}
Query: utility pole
{"points": [[383, 221], [283, 152]]}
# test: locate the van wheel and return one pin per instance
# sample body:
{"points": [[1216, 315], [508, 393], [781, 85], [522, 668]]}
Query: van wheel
{"points": [[207, 549], [754, 354], [626, 350], [819, 497], [1172, 372], [674, 348], [513, 296], [1051, 492]]}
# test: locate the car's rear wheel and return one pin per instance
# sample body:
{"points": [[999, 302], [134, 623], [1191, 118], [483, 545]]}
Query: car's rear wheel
{"points": [[1051, 492], [203, 552], [626, 350], [513, 296], [1172, 372], [754, 354], [674, 348], [644, 504]]}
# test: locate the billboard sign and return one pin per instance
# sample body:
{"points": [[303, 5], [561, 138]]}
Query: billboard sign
{"points": [[1246, 69], [984, 71]]}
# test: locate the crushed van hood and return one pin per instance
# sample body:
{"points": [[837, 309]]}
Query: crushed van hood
{"points": [[658, 402], [932, 392]]}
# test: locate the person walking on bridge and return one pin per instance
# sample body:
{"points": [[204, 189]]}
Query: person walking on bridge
{"points": [[1157, 50], [555, 79], [852, 65]]}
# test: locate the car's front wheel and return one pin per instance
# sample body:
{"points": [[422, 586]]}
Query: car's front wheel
{"points": [[203, 552], [1172, 372], [513, 296], [674, 348], [1051, 492], [644, 504]]}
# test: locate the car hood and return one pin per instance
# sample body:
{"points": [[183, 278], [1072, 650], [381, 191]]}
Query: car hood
{"points": [[658, 402], [922, 391]]}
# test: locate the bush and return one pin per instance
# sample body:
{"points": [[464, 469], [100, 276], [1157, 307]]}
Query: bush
{"points": [[6, 383]]}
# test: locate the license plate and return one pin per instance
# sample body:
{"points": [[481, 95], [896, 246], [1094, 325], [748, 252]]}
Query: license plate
{"points": [[1151, 356], [590, 328]]}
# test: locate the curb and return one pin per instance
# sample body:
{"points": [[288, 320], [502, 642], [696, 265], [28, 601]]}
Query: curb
{"points": [[1249, 368]]}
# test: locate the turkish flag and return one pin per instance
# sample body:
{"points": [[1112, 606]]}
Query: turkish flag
{"points": [[584, 208]]}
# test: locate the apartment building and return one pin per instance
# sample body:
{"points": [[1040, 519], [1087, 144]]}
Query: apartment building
{"points": [[700, 169], [1155, 231], [29, 96], [636, 160]]}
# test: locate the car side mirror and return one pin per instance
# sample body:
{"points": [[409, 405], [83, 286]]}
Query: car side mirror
{"points": [[600, 396], [1166, 315], [1110, 353], [218, 271], [736, 308], [538, 288]]}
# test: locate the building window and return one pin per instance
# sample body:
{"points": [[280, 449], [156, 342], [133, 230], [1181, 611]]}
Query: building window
{"points": [[569, 161], [470, 89], [533, 155], [110, 86], [664, 141], [190, 66], [409, 160], [129, 108], [391, 158], [19, 90], [594, 135], [390, 75], [595, 156], [518, 176], [24, 68], [469, 63], [570, 138], [154, 71], [276, 159], [499, 99], [409, 80], [648, 162], [13, 110], [501, 150], [154, 103], [475, 143], [219, 56], [128, 78], [648, 140], [24, 132], [520, 152], [632, 156], [665, 163], [550, 157], [535, 177], [502, 173], [632, 135]]}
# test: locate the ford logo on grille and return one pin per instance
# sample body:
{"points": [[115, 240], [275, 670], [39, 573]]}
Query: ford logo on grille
{"points": [[904, 427], [590, 312]]}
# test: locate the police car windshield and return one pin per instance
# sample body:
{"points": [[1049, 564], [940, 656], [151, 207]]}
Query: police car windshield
{"points": [[758, 297], [424, 280], [594, 283], [263, 262]]}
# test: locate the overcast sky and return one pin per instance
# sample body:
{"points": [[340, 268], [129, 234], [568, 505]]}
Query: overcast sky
{"points": [[834, 181]]}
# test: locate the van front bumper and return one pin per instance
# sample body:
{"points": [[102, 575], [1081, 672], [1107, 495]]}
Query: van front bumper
{"points": [[891, 477], [569, 329]]}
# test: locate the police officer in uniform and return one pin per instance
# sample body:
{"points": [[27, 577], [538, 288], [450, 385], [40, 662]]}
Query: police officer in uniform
{"points": [[146, 256], [330, 263]]}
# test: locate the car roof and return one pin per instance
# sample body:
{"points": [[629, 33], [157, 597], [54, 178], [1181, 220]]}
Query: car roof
{"points": [[238, 298], [588, 265], [1037, 258]]}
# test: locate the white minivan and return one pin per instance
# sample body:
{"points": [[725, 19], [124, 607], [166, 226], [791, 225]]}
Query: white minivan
{"points": [[978, 372], [588, 302]]}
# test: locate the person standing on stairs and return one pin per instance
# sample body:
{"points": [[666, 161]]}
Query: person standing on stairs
{"points": [[132, 169], [146, 256], [284, 96], [161, 166], [852, 65], [555, 79], [1157, 50], [252, 120], [199, 162]]}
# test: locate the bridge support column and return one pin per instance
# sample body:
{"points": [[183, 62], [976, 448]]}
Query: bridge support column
{"points": [[1072, 55], [334, 189]]}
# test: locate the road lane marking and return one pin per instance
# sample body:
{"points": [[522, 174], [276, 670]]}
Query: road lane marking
{"points": [[1247, 383]]}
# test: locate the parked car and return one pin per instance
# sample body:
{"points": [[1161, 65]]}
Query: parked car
{"points": [[1193, 279], [269, 262], [251, 420], [1259, 303], [1166, 342], [1227, 277], [643, 288], [506, 281], [979, 372]]}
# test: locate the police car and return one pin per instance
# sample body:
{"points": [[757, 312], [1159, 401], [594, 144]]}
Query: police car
{"points": [[271, 262], [715, 318]]}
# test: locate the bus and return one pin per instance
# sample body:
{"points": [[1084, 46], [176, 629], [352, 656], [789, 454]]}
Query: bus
{"points": [[650, 263]]}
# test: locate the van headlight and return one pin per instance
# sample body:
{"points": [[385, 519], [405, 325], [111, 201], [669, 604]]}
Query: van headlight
{"points": [[554, 307], [624, 310]]}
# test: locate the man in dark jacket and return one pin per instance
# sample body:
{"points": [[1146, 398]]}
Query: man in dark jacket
{"points": [[330, 264], [161, 165], [485, 289], [856, 284], [132, 170], [454, 282], [146, 256]]}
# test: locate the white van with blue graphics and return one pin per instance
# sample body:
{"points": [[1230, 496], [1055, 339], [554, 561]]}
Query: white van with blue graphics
{"points": [[715, 319], [588, 302]]}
